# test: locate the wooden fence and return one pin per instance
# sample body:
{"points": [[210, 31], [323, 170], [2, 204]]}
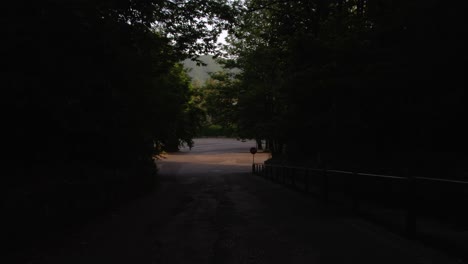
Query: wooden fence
{"points": [[414, 198]]}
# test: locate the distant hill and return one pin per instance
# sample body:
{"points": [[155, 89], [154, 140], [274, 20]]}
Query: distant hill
{"points": [[201, 73]]}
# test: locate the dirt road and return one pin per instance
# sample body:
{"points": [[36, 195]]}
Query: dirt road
{"points": [[209, 209]]}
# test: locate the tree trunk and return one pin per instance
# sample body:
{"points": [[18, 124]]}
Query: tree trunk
{"points": [[259, 144]]}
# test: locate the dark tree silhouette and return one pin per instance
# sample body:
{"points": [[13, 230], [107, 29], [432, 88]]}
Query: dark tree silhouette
{"points": [[93, 90], [376, 85]]}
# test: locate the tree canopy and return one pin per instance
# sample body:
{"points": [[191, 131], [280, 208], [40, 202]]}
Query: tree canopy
{"points": [[353, 83], [93, 91]]}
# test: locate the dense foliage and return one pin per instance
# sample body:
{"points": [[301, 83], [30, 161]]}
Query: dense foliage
{"points": [[93, 91], [355, 84]]}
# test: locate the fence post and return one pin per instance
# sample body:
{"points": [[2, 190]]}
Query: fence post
{"points": [[293, 177], [325, 186], [276, 173], [355, 184], [283, 172], [411, 200]]}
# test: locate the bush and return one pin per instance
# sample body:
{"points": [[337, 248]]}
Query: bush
{"points": [[214, 130]]}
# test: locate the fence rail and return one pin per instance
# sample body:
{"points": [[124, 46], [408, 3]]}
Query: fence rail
{"points": [[415, 197]]}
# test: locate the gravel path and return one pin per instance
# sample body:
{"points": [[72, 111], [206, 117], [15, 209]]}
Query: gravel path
{"points": [[209, 209]]}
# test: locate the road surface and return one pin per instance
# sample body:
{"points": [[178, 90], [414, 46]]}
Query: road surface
{"points": [[209, 209]]}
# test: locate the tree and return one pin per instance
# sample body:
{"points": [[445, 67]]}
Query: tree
{"points": [[91, 88], [221, 95], [350, 79]]}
